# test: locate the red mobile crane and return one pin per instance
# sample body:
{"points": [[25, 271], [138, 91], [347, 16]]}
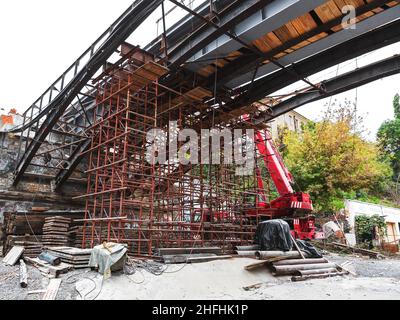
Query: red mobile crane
{"points": [[294, 207]]}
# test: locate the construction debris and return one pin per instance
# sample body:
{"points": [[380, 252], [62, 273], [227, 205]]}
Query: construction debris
{"points": [[264, 263], [47, 269], [23, 274], [304, 269], [370, 253], [32, 249], [54, 261], [13, 256], [78, 258], [52, 289]]}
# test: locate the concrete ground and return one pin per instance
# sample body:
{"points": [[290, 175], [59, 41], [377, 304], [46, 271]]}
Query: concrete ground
{"points": [[220, 280]]}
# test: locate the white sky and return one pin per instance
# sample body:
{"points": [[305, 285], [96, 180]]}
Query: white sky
{"points": [[39, 39]]}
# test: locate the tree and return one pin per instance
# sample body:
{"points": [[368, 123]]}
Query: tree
{"points": [[332, 161], [389, 138]]}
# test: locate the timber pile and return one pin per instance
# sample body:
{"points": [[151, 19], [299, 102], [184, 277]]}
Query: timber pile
{"points": [[78, 258], [19, 224], [32, 249], [25, 241], [55, 231], [28, 225]]}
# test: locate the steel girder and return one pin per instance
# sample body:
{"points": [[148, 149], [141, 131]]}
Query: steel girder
{"points": [[337, 85], [242, 65], [370, 41], [139, 11], [334, 39]]}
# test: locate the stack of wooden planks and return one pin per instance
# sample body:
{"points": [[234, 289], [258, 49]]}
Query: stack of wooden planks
{"points": [[55, 231], [77, 258], [28, 225], [11, 241], [32, 249]]}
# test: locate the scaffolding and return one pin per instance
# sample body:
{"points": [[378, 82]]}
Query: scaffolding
{"points": [[149, 205]]}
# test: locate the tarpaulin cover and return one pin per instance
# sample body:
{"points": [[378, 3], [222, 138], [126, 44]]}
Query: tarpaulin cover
{"points": [[274, 235], [309, 249], [105, 256]]}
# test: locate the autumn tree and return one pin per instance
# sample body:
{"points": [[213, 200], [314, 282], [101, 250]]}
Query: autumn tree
{"points": [[331, 160]]}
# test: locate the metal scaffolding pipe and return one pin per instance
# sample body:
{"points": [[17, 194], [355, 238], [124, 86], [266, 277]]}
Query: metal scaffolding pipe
{"points": [[264, 255], [300, 261], [246, 253], [316, 271], [291, 270], [247, 248]]}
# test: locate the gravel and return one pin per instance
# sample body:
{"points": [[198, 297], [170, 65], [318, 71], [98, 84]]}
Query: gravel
{"points": [[9, 283], [371, 268]]}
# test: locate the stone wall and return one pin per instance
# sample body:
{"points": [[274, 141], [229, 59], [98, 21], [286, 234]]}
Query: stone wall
{"points": [[32, 191]]}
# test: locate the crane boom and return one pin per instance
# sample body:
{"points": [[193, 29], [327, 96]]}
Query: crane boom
{"points": [[280, 175]]}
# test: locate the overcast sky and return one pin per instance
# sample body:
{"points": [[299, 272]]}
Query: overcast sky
{"points": [[39, 39]]}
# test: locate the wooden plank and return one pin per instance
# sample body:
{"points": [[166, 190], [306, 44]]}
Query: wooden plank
{"points": [[40, 209], [328, 11], [52, 289], [13, 256], [286, 32], [264, 263], [297, 248], [304, 23]]}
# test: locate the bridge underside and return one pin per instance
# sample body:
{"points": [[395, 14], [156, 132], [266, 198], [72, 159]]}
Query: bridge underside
{"points": [[215, 65]]}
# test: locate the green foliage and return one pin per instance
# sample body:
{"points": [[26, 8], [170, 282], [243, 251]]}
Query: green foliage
{"points": [[389, 138], [367, 226], [332, 161]]}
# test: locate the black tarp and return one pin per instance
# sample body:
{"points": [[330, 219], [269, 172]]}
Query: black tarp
{"points": [[273, 235], [309, 249]]}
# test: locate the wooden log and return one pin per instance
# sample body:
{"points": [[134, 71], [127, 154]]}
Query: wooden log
{"points": [[297, 247], [23, 274]]}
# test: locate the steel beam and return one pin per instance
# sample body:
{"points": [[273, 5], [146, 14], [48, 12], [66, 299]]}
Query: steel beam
{"points": [[373, 40], [336, 38], [265, 20], [350, 80], [243, 64], [72, 164], [138, 13], [235, 14]]}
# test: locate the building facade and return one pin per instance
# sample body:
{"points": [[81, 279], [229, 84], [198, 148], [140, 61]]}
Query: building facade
{"points": [[356, 208], [292, 120]]}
